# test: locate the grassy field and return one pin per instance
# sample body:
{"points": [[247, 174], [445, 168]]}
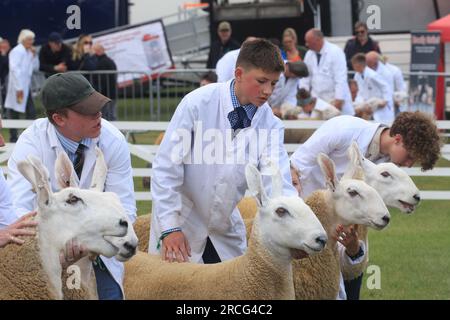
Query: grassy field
{"points": [[412, 253]]}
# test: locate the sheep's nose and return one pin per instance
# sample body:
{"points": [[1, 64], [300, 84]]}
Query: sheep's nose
{"points": [[322, 240], [130, 248], [416, 197], [386, 219], [123, 223]]}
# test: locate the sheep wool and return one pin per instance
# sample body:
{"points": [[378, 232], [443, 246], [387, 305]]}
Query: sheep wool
{"points": [[255, 275]]}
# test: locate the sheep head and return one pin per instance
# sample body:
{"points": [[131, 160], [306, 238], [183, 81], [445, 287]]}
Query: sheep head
{"points": [[355, 202], [394, 185], [97, 219], [286, 224]]}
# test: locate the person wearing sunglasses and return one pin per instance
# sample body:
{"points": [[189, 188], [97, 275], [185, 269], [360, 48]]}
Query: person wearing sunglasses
{"points": [[361, 42], [83, 57]]}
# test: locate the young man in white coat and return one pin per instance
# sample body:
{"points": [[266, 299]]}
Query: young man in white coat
{"points": [[372, 85], [23, 61], [327, 72], [198, 173], [413, 137], [74, 125]]}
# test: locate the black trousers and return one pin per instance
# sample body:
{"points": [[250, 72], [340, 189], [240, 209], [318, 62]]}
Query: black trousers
{"points": [[210, 254], [30, 114], [353, 287]]}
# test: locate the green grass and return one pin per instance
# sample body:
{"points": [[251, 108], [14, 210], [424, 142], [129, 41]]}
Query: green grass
{"points": [[412, 254]]}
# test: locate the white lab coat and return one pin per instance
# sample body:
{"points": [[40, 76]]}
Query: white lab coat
{"points": [[333, 138], [371, 85], [328, 80], [41, 141], [201, 198], [399, 82], [6, 218], [226, 65], [22, 62], [284, 92]]}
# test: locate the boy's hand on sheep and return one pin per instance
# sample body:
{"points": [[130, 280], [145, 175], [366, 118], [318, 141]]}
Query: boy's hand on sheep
{"points": [[175, 247], [18, 228], [348, 237], [74, 252]]}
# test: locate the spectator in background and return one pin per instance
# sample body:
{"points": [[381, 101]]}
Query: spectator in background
{"points": [[294, 52], [327, 72], [221, 46], [83, 57], [54, 56], [361, 42], [207, 78], [22, 62], [399, 83], [371, 85], [227, 64], [4, 69], [106, 84]]}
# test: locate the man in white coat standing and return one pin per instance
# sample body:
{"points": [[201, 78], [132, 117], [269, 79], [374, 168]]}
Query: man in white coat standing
{"points": [[327, 72], [198, 172], [22, 61], [372, 85], [74, 125]]}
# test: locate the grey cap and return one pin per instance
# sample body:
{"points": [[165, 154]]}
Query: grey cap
{"points": [[71, 90]]}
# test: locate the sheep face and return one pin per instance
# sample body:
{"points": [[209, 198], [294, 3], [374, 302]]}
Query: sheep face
{"points": [[286, 224], [355, 202], [394, 185], [289, 224], [358, 203], [96, 219]]}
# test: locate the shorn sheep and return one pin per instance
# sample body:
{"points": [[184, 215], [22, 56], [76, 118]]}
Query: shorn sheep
{"points": [[97, 219], [284, 229]]}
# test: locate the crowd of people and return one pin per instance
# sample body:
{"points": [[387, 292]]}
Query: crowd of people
{"points": [[17, 65], [331, 76]]}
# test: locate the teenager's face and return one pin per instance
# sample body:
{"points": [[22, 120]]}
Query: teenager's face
{"points": [[255, 85], [399, 155], [77, 126]]}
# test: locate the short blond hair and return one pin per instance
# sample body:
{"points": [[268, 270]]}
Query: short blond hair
{"points": [[25, 34]]}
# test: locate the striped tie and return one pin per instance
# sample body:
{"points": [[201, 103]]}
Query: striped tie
{"points": [[79, 160]]}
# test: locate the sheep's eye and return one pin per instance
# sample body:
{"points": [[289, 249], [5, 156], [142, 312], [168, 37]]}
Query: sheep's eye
{"points": [[385, 174], [281, 212], [352, 193], [73, 199]]}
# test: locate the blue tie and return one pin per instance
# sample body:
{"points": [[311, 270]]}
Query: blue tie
{"points": [[238, 118]]}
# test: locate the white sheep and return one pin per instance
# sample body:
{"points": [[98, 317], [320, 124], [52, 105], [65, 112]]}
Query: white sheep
{"points": [[285, 228], [97, 219], [395, 187], [346, 201]]}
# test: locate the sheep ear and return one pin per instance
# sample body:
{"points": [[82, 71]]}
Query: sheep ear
{"points": [[100, 170], [354, 169], [41, 181], [277, 180], [328, 170], [255, 186], [64, 172], [27, 170]]}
